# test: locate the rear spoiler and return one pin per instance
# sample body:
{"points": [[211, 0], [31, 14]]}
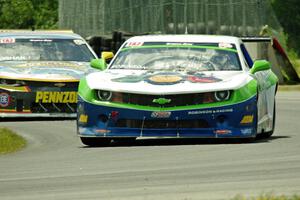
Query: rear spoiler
{"points": [[281, 59]]}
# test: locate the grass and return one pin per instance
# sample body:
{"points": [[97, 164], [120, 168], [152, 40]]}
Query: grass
{"points": [[10, 141], [294, 88], [296, 64], [268, 197], [295, 60]]}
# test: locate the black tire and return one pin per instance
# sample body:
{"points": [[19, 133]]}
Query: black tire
{"points": [[95, 142], [247, 140], [268, 134]]}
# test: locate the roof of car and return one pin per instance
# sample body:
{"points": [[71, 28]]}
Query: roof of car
{"points": [[55, 34], [186, 38]]}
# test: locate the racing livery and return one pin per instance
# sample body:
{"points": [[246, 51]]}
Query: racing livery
{"points": [[177, 86], [40, 72]]}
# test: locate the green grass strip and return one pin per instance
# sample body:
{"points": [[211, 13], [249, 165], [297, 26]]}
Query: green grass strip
{"points": [[295, 87], [268, 197], [10, 141]]}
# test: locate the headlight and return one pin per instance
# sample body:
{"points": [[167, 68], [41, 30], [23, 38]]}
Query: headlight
{"points": [[104, 95], [222, 95]]}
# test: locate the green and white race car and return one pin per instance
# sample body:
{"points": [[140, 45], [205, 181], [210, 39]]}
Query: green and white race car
{"points": [[177, 86]]}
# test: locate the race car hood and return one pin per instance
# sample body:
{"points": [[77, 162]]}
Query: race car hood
{"points": [[44, 70], [165, 82]]}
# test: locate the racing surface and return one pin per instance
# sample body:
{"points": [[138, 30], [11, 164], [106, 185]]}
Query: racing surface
{"points": [[55, 165]]}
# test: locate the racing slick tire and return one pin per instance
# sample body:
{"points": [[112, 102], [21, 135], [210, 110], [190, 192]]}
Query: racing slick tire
{"points": [[95, 142]]}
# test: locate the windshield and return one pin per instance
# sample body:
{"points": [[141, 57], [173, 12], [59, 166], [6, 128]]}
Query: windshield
{"points": [[44, 50], [174, 57]]}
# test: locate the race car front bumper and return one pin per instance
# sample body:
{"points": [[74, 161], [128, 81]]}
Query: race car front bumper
{"points": [[236, 121]]}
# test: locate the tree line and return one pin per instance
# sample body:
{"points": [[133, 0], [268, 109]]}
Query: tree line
{"points": [[43, 14], [288, 14], [28, 14]]}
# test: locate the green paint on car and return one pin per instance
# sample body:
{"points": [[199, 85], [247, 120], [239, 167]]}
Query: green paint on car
{"points": [[239, 95]]}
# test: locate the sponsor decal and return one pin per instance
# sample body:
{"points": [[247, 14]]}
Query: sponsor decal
{"points": [[200, 78], [83, 118], [167, 78], [4, 99], [114, 114], [13, 58], [79, 42], [132, 67], [7, 40], [225, 45], [13, 111], [41, 40], [246, 131], [200, 112], [164, 79], [222, 132], [247, 119], [53, 64], [178, 43], [103, 131], [160, 114], [56, 97], [134, 44]]}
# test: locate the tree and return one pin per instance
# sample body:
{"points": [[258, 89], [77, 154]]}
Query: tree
{"points": [[46, 15], [27, 14], [288, 14], [16, 14]]}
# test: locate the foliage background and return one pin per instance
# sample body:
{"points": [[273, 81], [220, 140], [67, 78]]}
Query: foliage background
{"points": [[28, 14], [43, 14], [288, 14]]}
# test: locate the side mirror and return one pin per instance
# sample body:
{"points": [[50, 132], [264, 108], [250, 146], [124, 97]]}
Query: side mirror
{"points": [[260, 65], [98, 64], [106, 55]]}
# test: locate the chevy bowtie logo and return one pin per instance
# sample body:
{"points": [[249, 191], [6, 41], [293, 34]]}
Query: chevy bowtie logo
{"points": [[59, 84], [161, 101]]}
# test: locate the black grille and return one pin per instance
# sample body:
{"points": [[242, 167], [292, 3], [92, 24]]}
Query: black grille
{"points": [[52, 84], [129, 123], [147, 100], [19, 106]]}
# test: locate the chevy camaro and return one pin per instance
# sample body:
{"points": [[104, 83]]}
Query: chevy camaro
{"points": [[40, 72], [177, 86]]}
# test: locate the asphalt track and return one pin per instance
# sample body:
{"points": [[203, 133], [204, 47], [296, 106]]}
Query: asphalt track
{"points": [[55, 165]]}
